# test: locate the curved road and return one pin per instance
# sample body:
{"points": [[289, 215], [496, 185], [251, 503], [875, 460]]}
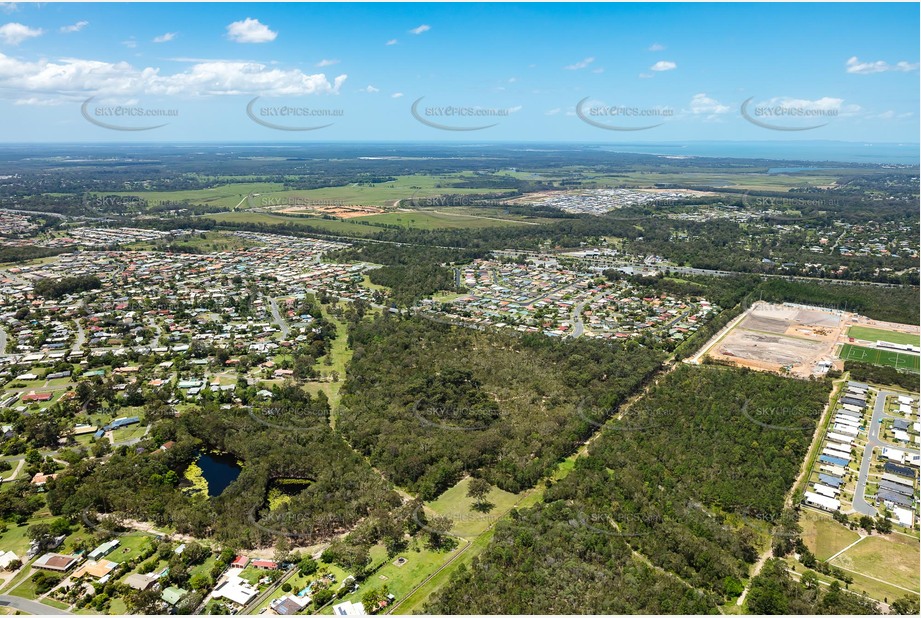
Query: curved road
{"points": [[873, 441]]}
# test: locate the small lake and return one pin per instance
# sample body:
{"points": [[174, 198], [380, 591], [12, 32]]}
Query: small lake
{"points": [[219, 470]]}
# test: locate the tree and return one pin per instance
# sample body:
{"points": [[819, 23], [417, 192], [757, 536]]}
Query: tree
{"points": [[907, 605], [478, 489], [307, 566], [867, 523], [438, 528]]}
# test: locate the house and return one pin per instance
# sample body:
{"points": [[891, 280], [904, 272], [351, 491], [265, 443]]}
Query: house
{"points": [[240, 562], [97, 570], [6, 559], [55, 562], [289, 605], [40, 479], [236, 591], [140, 582], [348, 608], [173, 595], [265, 564], [822, 502], [37, 397], [103, 550]]}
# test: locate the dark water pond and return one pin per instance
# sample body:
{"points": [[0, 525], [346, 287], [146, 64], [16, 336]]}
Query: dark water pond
{"points": [[219, 470]]}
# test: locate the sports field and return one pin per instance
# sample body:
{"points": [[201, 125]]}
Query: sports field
{"points": [[877, 334], [891, 358]]}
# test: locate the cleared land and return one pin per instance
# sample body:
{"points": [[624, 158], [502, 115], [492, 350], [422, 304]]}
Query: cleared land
{"points": [[877, 334], [892, 558], [891, 358], [824, 536]]}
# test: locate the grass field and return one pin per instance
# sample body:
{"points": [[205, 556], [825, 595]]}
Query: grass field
{"points": [[899, 360], [428, 220], [824, 536], [877, 334], [893, 558], [469, 522], [227, 196]]}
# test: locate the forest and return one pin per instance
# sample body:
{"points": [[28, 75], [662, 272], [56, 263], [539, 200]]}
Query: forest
{"points": [[683, 479], [428, 402]]}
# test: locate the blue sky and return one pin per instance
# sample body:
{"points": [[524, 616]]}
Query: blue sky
{"points": [[684, 70]]}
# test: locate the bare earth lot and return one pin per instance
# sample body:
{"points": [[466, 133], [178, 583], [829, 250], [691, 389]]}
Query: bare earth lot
{"points": [[773, 337]]}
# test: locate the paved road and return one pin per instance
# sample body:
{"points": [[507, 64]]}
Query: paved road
{"points": [[282, 323], [873, 441], [32, 607]]}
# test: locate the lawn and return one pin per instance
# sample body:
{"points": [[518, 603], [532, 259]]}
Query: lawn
{"points": [[899, 360], [469, 522], [893, 558], [877, 334], [421, 562], [824, 536]]}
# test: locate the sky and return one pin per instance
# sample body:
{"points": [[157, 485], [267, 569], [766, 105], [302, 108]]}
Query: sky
{"points": [[103, 72]]}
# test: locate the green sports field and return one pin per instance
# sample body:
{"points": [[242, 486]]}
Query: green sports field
{"points": [[899, 360], [876, 334]]}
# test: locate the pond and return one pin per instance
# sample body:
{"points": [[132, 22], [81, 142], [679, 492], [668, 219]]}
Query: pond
{"points": [[219, 470]]}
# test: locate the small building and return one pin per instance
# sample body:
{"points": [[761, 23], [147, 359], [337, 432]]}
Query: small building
{"points": [[96, 569], [173, 595], [821, 502], [289, 605], [265, 564], [240, 562], [103, 550]]}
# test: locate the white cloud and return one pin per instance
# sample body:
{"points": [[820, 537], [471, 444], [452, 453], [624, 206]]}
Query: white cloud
{"points": [[702, 104], [552, 112], [327, 63], [14, 33], [369, 89], [514, 109], [580, 65], [656, 47], [250, 31], [130, 43], [8, 7], [854, 65], [166, 37], [396, 95], [72, 79], [645, 75], [823, 104], [77, 27], [663, 65], [598, 70], [420, 29], [391, 42]]}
